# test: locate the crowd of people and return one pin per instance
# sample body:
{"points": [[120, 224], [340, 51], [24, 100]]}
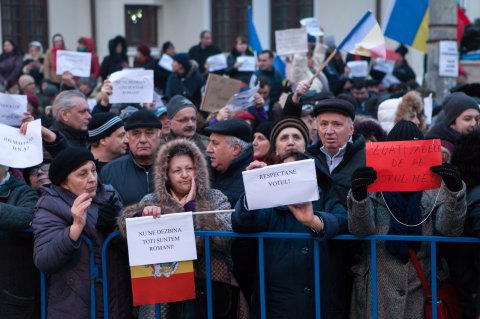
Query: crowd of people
{"points": [[104, 164]]}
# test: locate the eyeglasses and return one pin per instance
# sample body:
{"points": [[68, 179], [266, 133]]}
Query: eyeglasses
{"points": [[44, 168]]}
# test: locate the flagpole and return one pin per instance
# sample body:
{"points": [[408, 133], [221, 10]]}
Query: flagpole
{"points": [[320, 69]]}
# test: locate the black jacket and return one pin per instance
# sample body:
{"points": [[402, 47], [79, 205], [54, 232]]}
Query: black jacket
{"points": [[233, 72], [443, 132], [73, 136], [187, 84], [404, 72], [275, 78], [201, 55], [114, 61]]}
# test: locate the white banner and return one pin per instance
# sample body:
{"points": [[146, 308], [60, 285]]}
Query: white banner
{"points": [[385, 66], [132, 86], [216, 62], [448, 59], [312, 26], [291, 41], [247, 63], [166, 62], [282, 184], [242, 100], [12, 107], [159, 240], [428, 108], [358, 69], [18, 150], [77, 63]]}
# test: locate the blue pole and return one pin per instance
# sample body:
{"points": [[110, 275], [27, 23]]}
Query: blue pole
{"points": [[316, 265], [43, 296], [261, 274], [433, 264], [373, 261], [158, 313], [208, 275], [106, 243]]}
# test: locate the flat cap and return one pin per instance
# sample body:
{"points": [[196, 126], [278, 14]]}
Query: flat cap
{"points": [[234, 127], [143, 118], [336, 106]]}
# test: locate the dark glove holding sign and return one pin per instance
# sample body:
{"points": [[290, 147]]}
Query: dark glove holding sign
{"points": [[107, 215]]}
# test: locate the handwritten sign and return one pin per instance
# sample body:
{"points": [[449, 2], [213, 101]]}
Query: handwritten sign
{"points": [[218, 91], [291, 41], [132, 86], [247, 63], [282, 184], [358, 69], [384, 66], [448, 59], [166, 62], [404, 165], [77, 63], [242, 100], [312, 26], [12, 107], [216, 62], [18, 150], [159, 240]]}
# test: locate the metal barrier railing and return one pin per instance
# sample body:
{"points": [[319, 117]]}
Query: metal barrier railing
{"points": [[433, 240]]}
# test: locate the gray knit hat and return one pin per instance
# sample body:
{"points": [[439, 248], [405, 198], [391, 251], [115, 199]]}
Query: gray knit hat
{"points": [[177, 103], [457, 103]]}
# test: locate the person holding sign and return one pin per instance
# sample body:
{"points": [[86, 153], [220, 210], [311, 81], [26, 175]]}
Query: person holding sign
{"points": [[240, 52], [439, 211], [288, 134], [289, 272], [50, 63], [76, 204], [185, 79], [182, 184]]}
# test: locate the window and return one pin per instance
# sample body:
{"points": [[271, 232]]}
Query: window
{"points": [[141, 25], [286, 14], [24, 21], [229, 20]]}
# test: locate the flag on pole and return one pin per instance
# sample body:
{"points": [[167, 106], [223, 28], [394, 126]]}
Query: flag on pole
{"points": [[366, 38], [408, 23], [160, 283]]}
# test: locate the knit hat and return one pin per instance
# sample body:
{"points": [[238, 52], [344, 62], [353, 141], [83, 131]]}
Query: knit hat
{"points": [[405, 131], [143, 118], [160, 110], [144, 49], [183, 59], [335, 105], [457, 103], [264, 128], [244, 115], [286, 123], [66, 162], [177, 103], [25, 80], [33, 100], [233, 127], [102, 125]]}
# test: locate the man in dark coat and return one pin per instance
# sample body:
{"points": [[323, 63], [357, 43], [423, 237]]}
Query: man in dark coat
{"points": [[185, 79], [268, 72], [203, 50], [402, 70]]}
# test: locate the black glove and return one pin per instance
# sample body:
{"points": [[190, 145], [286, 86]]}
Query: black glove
{"points": [[361, 178], [450, 175], [107, 215]]}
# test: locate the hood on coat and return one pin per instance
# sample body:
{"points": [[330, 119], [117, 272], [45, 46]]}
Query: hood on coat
{"points": [[112, 44], [411, 101], [89, 44]]}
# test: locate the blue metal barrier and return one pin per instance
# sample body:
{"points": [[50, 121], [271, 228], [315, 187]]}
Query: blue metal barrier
{"points": [[433, 240]]}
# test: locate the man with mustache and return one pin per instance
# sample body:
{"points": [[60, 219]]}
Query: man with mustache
{"points": [[182, 117]]}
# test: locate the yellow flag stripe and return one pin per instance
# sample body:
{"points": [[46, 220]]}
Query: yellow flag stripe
{"points": [[420, 42], [148, 270]]}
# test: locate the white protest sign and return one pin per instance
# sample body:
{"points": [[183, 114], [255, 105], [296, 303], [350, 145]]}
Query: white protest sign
{"points": [[247, 63], [389, 79], [166, 62], [384, 66], [428, 108], [448, 59], [283, 184], [312, 26], [91, 104], [242, 100], [216, 62], [12, 107], [358, 69], [18, 150], [77, 63], [291, 41], [157, 99], [132, 86], [159, 240]]}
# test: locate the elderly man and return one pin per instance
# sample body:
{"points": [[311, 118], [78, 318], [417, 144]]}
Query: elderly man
{"points": [[106, 135], [70, 112], [203, 50], [268, 72], [338, 152], [131, 175], [230, 153], [182, 119]]}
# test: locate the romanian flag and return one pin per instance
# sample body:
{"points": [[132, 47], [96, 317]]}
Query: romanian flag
{"points": [[160, 283], [366, 38], [408, 23]]}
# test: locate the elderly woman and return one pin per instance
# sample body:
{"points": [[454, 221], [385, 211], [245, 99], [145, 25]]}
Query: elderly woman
{"points": [[288, 134], [76, 204], [182, 184], [431, 212]]}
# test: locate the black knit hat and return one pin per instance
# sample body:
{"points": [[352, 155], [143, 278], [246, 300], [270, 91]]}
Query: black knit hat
{"points": [[234, 127], [67, 161], [285, 123], [264, 128], [183, 59], [142, 119], [335, 105], [405, 131], [177, 103], [102, 125], [457, 103]]}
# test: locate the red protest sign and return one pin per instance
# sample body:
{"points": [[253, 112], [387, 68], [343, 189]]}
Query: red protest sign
{"points": [[404, 165]]}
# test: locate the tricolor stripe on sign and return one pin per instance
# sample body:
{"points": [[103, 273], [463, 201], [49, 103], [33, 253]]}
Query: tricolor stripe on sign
{"points": [[366, 38], [160, 283], [408, 23]]}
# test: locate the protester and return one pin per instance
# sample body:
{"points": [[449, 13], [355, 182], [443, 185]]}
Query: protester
{"points": [[261, 142], [409, 107], [402, 70], [169, 49], [131, 175], [117, 58], [50, 63], [33, 61], [203, 50], [323, 219], [85, 44], [439, 211], [143, 59], [288, 134], [185, 79], [162, 114], [37, 176], [370, 130], [11, 61], [76, 204], [27, 84], [266, 70], [19, 284], [240, 49]]}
